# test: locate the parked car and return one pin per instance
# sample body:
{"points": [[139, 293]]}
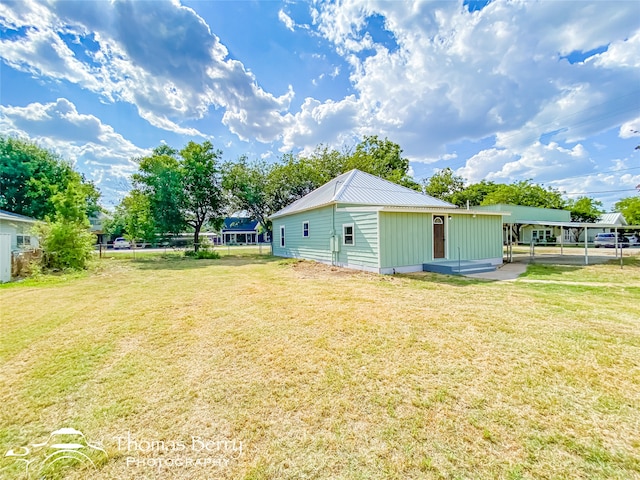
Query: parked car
{"points": [[633, 239], [121, 243], [609, 240]]}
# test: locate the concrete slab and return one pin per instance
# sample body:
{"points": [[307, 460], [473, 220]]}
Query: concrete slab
{"points": [[507, 272]]}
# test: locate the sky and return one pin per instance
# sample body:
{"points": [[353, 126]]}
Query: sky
{"points": [[497, 90]]}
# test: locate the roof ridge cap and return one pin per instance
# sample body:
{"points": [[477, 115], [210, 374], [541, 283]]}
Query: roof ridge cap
{"points": [[339, 193]]}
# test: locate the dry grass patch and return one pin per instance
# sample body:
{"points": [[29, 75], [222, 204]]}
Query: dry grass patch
{"points": [[327, 373]]}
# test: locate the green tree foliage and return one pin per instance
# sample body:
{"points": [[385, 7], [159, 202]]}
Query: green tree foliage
{"points": [[31, 176], [630, 208], [202, 199], [184, 188], [66, 239], [133, 218], [249, 189], [583, 210], [382, 158], [474, 193], [444, 185], [159, 178], [525, 193]]}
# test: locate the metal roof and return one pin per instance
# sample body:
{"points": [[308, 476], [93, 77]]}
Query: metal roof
{"points": [[612, 218], [359, 188], [4, 215], [239, 224]]}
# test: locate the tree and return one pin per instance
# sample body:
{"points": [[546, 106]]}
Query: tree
{"points": [[583, 210], [66, 238], [247, 185], [630, 208], [202, 198], [184, 189], [31, 176], [444, 185], [159, 178], [382, 158], [135, 215], [474, 193], [527, 194]]}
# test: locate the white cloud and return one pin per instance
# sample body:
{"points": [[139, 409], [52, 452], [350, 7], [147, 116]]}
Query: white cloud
{"points": [[499, 72], [159, 56], [287, 20], [96, 149], [630, 129]]}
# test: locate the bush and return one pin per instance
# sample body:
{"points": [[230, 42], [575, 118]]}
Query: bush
{"points": [[202, 254], [66, 245]]}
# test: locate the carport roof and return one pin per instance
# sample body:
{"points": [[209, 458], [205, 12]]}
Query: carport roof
{"points": [[576, 224]]}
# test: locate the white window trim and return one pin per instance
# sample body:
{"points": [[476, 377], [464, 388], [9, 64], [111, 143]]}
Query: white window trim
{"points": [[283, 242], [307, 224], [353, 235]]}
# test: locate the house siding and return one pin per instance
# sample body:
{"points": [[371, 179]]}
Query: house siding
{"points": [[405, 239], [364, 253], [314, 247], [323, 222], [478, 238], [17, 228]]}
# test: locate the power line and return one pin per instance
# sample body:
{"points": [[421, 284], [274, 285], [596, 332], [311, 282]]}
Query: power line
{"points": [[595, 173], [602, 191]]}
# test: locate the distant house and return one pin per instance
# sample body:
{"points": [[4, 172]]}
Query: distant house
{"points": [[18, 227], [614, 218], [363, 222], [97, 222], [15, 236], [241, 231], [532, 224]]}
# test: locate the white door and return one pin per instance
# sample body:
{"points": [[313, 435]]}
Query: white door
{"points": [[5, 257]]}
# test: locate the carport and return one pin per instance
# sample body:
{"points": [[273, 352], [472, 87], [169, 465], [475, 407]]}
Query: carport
{"points": [[568, 225]]}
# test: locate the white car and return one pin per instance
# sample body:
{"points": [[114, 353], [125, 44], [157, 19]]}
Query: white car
{"points": [[121, 243]]}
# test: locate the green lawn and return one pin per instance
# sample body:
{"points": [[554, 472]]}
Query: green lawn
{"points": [[319, 372]]}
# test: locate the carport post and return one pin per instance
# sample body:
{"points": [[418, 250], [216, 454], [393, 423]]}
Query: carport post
{"points": [[615, 242], [561, 240], [586, 249]]}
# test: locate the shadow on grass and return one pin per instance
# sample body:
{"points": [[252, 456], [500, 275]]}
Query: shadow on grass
{"points": [[546, 269], [180, 262], [444, 279]]}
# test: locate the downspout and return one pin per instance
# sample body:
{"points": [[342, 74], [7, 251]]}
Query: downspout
{"points": [[333, 235]]}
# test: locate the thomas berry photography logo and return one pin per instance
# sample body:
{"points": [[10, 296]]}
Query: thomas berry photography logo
{"points": [[63, 448]]}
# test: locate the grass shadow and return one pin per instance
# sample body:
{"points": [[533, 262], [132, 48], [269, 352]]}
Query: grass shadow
{"points": [[444, 279], [180, 262]]}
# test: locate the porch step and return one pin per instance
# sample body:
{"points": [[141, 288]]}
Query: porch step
{"points": [[453, 267]]}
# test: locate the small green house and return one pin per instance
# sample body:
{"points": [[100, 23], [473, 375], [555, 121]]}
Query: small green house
{"points": [[363, 222]]}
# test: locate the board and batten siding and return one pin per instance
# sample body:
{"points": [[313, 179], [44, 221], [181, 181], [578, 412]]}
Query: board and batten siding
{"points": [[478, 238], [405, 239]]}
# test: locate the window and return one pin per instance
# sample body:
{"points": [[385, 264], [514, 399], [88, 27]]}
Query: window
{"points": [[23, 241], [305, 229], [541, 235], [348, 238], [282, 236]]}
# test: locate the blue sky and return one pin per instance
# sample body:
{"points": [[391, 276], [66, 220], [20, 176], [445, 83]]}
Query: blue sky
{"points": [[501, 90]]}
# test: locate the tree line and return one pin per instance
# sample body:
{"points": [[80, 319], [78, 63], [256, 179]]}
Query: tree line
{"points": [[177, 191]]}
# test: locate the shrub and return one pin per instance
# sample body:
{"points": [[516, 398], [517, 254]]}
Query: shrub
{"points": [[202, 254], [66, 245]]}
